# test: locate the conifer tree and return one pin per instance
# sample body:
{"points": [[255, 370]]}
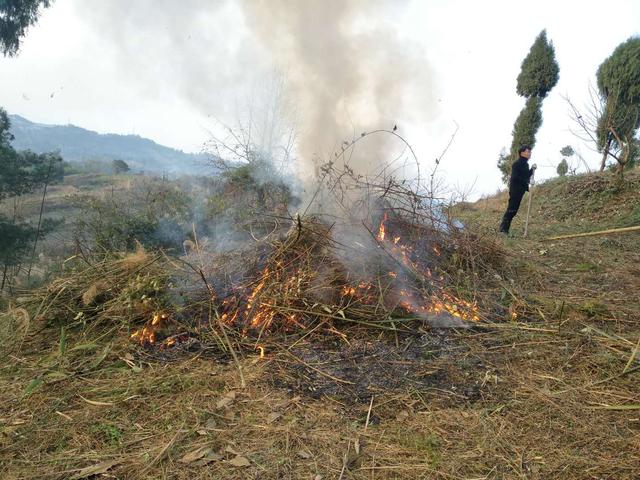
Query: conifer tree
{"points": [[538, 75], [527, 125], [562, 168], [619, 87], [539, 71]]}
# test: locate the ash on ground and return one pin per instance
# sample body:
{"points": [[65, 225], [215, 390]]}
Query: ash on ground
{"points": [[433, 363]]}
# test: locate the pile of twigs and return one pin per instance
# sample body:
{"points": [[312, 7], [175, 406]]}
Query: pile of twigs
{"points": [[386, 257]]}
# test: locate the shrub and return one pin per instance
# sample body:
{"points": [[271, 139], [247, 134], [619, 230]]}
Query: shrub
{"points": [[563, 167]]}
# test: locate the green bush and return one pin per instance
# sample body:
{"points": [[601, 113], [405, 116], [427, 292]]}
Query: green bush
{"points": [[154, 213], [563, 168]]}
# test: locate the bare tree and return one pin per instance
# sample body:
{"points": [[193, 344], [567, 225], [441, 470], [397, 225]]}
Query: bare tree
{"points": [[263, 131], [596, 126]]}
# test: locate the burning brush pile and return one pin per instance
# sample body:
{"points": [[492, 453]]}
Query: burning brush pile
{"points": [[380, 278], [386, 257], [398, 267]]}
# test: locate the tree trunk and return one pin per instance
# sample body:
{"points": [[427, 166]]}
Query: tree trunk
{"points": [[35, 241], [605, 154], [4, 275], [624, 158], [6, 260]]}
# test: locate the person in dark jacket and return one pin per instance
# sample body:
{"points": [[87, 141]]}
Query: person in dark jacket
{"points": [[518, 184]]}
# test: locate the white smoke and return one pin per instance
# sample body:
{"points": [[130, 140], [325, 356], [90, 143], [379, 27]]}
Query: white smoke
{"points": [[346, 66]]}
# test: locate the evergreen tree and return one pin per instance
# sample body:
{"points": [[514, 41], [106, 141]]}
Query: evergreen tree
{"points": [[5, 128], [527, 125], [23, 172], [15, 243], [567, 151], [563, 167], [619, 86], [15, 17], [538, 75], [539, 71]]}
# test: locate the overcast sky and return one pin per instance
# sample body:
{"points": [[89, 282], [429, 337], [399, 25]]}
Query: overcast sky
{"points": [[164, 69]]}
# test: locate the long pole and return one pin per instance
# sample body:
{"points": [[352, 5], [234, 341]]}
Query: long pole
{"points": [[526, 222], [599, 232]]}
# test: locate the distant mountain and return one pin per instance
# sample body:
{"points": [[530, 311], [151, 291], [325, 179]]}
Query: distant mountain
{"points": [[77, 144]]}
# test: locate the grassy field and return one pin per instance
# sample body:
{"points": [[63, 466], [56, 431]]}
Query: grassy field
{"points": [[549, 392]]}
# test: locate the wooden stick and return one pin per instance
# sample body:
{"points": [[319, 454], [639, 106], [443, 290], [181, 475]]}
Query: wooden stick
{"points": [[526, 222], [366, 423], [599, 232]]}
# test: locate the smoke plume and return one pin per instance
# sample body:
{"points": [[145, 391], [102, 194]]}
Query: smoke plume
{"points": [[347, 67]]}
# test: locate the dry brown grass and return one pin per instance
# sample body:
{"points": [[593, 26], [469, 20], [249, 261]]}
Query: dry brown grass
{"points": [[542, 413], [551, 394]]}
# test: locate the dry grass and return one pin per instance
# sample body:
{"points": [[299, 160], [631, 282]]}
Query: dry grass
{"points": [[552, 394], [535, 417]]}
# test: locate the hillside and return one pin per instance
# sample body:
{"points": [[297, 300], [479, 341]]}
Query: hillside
{"points": [[78, 144], [597, 276], [544, 386], [572, 204]]}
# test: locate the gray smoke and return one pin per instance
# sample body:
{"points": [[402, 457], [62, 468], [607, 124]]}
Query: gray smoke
{"points": [[199, 49], [348, 70], [346, 65]]}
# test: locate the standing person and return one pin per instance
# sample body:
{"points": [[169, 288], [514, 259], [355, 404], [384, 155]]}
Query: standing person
{"points": [[518, 184]]}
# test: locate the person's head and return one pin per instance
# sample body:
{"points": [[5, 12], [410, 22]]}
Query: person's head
{"points": [[525, 151]]}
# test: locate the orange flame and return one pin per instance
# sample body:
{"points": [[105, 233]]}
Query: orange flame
{"points": [[443, 303], [256, 291], [147, 335], [264, 315], [348, 291], [381, 232]]}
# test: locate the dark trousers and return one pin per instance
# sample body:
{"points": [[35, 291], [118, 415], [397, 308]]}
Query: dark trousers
{"points": [[515, 197]]}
